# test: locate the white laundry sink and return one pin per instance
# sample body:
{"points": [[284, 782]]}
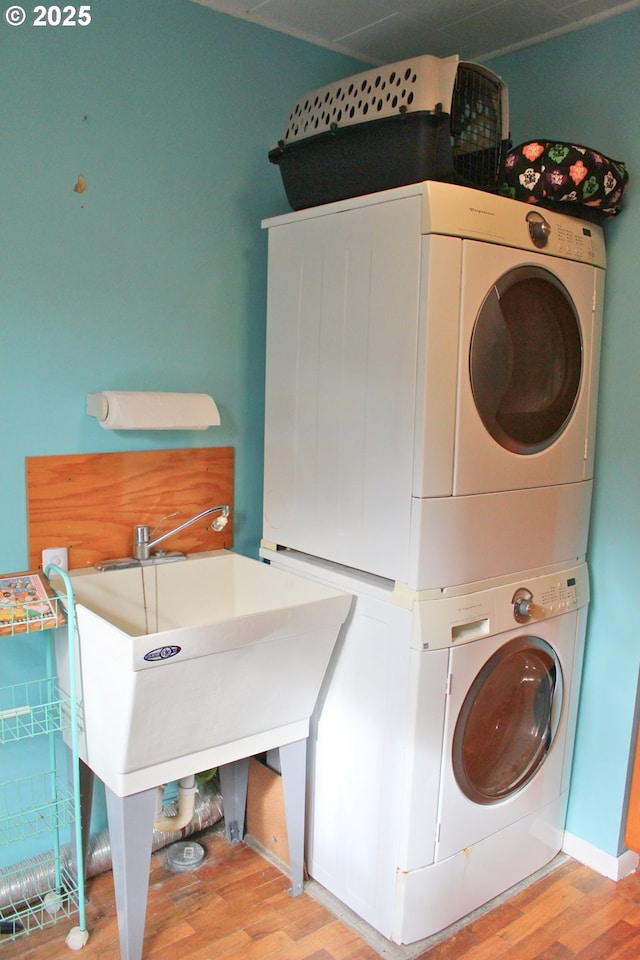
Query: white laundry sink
{"points": [[189, 665]]}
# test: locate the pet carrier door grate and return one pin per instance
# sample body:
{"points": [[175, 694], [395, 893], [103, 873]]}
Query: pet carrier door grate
{"points": [[477, 125]]}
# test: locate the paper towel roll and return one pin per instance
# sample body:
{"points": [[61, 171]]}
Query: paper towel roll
{"points": [[138, 410]]}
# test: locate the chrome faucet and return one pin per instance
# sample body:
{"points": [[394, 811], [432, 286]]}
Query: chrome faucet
{"points": [[143, 544]]}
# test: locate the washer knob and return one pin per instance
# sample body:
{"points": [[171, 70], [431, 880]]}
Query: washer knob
{"points": [[523, 606], [539, 229], [523, 609]]}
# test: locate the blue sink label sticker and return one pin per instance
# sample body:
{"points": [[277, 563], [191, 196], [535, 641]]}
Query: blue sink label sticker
{"points": [[162, 653]]}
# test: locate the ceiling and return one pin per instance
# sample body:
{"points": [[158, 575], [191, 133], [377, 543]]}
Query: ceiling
{"points": [[383, 31]]}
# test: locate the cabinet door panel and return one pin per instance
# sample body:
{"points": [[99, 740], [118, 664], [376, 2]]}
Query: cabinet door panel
{"points": [[342, 334]]}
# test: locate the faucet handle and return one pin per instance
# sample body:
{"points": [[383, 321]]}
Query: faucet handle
{"points": [[141, 540], [141, 534]]}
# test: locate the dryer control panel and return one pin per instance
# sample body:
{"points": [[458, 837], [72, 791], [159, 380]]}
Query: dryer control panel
{"points": [[448, 621], [566, 238], [458, 211]]}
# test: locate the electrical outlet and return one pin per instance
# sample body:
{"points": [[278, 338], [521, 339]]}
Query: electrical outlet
{"points": [[57, 555]]}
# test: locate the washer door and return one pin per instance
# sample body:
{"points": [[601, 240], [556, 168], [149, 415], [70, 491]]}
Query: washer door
{"points": [[526, 360], [508, 720]]}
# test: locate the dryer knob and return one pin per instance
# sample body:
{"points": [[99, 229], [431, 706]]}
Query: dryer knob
{"points": [[539, 229]]}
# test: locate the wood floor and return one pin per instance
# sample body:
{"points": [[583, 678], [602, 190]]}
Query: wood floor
{"points": [[236, 907]]}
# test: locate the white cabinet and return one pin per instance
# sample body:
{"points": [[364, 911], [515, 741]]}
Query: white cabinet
{"points": [[342, 335]]}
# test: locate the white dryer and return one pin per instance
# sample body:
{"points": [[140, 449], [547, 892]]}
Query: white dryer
{"points": [[442, 743], [431, 384]]}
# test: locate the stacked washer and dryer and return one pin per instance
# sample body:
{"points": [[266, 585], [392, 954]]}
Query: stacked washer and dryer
{"points": [[431, 389]]}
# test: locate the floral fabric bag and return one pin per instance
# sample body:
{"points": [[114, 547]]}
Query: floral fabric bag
{"points": [[568, 177]]}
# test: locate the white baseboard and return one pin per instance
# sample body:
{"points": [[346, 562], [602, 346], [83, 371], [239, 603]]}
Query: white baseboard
{"points": [[615, 868]]}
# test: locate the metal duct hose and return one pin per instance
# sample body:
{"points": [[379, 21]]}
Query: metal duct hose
{"points": [[32, 877]]}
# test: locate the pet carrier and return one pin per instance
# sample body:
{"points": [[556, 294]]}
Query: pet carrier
{"points": [[421, 119]]}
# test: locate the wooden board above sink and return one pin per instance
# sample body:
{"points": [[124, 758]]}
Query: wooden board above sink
{"points": [[90, 502]]}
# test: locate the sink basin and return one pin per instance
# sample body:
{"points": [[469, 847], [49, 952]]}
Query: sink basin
{"points": [[189, 665]]}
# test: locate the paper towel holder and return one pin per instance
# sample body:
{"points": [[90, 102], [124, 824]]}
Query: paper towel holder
{"points": [[140, 410], [97, 406]]}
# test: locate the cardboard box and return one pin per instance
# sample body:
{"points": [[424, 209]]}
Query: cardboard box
{"points": [[266, 821]]}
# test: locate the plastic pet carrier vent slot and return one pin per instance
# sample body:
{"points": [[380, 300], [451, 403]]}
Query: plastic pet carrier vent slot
{"points": [[378, 94], [421, 119]]}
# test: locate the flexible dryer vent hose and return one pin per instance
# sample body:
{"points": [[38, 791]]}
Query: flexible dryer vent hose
{"points": [[34, 877]]}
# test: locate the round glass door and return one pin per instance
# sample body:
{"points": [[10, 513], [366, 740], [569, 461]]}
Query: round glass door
{"points": [[525, 360], [508, 720]]}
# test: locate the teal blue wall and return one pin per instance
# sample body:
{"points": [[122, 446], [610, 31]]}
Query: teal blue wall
{"points": [[585, 87], [155, 277]]}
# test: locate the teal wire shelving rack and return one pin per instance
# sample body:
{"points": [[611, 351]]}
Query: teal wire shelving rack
{"points": [[46, 802]]}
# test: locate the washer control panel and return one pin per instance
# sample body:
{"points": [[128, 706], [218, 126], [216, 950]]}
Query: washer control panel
{"points": [[560, 596], [464, 617], [556, 597]]}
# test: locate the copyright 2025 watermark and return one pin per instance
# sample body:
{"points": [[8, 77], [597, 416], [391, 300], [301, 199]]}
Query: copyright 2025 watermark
{"points": [[48, 16]]}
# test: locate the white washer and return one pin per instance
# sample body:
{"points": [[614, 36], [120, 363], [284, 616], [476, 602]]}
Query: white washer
{"points": [[431, 384], [442, 743]]}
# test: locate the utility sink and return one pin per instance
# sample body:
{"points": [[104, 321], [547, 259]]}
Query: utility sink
{"points": [[189, 665]]}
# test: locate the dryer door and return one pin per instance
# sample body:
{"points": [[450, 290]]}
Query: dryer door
{"points": [[527, 376], [525, 360], [508, 720]]}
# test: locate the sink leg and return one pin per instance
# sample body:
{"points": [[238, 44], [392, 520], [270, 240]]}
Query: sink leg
{"points": [[86, 805], [131, 834], [293, 763], [233, 786]]}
